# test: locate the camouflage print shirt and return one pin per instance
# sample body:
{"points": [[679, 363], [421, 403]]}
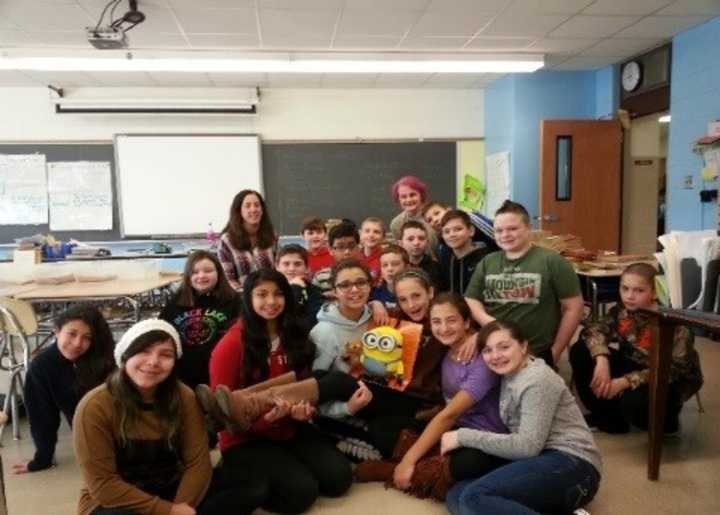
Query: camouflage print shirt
{"points": [[633, 332]]}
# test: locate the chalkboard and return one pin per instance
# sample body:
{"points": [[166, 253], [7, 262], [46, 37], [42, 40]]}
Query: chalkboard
{"points": [[350, 180], [64, 152]]}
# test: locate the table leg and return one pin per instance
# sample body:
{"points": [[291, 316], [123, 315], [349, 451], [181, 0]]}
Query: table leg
{"points": [[660, 359]]}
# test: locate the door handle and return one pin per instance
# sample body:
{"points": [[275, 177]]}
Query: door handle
{"points": [[548, 217]]}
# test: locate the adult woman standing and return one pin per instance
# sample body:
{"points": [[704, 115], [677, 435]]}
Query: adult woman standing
{"points": [[248, 240], [410, 193]]}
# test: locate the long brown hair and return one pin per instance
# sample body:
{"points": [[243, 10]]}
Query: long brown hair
{"points": [[187, 297], [235, 228], [128, 402]]}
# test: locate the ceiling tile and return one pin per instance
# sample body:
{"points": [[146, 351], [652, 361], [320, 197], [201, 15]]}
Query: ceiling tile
{"points": [[9, 79], [692, 8], [180, 79], [511, 25], [38, 17], [290, 43], [122, 79], [592, 26], [549, 6], [618, 47], [585, 63], [7, 24], [295, 80], [138, 39], [375, 23], [359, 42], [562, 45], [214, 21], [553, 60], [300, 5], [95, 7], [158, 19], [288, 25], [243, 80], [661, 26], [76, 39], [208, 4], [404, 5], [452, 79], [449, 23], [10, 38], [62, 79], [220, 41], [625, 7], [469, 6], [402, 80], [504, 44], [349, 80], [437, 43]]}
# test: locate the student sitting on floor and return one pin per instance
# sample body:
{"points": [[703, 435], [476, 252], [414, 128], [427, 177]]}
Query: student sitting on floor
{"points": [[292, 263], [414, 239], [393, 260], [201, 311], [553, 465], [140, 440], [372, 232], [458, 265], [80, 359], [610, 360], [315, 235], [531, 286]]}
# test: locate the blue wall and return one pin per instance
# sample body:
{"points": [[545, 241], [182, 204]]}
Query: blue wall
{"points": [[607, 92], [514, 107], [694, 101]]}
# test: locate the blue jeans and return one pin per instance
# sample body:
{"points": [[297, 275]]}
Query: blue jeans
{"points": [[553, 482]]}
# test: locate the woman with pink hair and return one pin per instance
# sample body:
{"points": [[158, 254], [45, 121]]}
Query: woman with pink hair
{"points": [[410, 193]]}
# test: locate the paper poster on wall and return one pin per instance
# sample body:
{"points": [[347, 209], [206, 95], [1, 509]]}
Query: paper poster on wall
{"points": [[80, 196], [471, 175], [23, 190], [497, 169]]}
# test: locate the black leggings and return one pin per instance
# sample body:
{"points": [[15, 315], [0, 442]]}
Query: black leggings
{"points": [[295, 471], [613, 415], [468, 463], [231, 491]]}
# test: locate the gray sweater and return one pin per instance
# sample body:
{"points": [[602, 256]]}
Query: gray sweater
{"points": [[540, 413]]}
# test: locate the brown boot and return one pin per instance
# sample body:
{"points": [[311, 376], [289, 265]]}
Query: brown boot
{"points": [[406, 439], [375, 471], [288, 377], [241, 409], [294, 393], [431, 478], [215, 420]]}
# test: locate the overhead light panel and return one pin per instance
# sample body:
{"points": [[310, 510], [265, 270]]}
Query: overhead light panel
{"points": [[264, 63]]}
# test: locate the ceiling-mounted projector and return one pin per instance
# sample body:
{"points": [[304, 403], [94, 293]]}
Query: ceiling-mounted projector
{"points": [[106, 38]]}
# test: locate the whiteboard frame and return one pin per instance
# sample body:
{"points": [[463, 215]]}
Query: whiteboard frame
{"points": [[118, 172]]}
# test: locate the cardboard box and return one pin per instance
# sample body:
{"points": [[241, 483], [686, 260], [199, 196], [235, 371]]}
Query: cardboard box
{"points": [[714, 128], [27, 257]]}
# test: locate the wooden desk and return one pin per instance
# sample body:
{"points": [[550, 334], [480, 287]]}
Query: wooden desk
{"points": [[11, 290], [660, 360], [128, 289]]}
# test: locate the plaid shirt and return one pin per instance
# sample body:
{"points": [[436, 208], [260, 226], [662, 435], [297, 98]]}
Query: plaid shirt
{"points": [[238, 264]]}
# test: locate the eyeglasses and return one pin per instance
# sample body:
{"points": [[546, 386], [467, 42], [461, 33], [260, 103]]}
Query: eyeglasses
{"points": [[347, 286], [345, 248]]}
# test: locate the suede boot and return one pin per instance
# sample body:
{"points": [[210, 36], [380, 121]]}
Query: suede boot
{"points": [[241, 409], [215, 420], [375, 471], [288, 377], [294, 393], [431, 478]]}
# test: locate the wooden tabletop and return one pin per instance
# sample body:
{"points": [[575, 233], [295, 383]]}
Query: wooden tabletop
{"points": [[110, 289], [12, 290]]}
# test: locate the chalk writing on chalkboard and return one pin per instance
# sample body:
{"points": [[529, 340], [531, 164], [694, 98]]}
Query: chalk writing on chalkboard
{"points": [[23, 189], [80, 195]]}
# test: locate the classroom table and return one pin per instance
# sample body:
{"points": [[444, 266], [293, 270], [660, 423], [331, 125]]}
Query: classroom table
{"points": [[11, 290], [117, 289], [593, 280], [660, 361]]}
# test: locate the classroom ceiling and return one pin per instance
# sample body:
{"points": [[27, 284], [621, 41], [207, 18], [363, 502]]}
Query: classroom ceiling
{"points": [[572, 34]]}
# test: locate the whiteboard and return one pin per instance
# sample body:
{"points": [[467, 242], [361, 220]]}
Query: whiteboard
{"points": [[23, 190], [174, 185], [80, 195]]}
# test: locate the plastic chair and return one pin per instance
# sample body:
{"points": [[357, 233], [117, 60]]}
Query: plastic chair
{"points": [[17, 323]]}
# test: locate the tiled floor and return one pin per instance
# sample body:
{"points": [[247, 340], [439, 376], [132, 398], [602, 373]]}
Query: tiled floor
{"points": [[689, 483]]}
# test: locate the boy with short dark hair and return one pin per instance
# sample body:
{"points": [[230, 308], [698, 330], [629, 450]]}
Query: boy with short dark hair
{"points": [[393, 260], [414, 239], [292, 262], [372, 232], [343, 239], [458, 265], [314, 233]]}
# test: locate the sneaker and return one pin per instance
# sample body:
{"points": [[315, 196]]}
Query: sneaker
{"points": [[358, 451]]}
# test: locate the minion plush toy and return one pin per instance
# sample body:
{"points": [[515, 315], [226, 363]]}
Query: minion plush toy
{"points": [[383, 352]]}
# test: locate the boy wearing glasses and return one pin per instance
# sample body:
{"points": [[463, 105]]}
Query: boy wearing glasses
{"points": [[343, 239]]}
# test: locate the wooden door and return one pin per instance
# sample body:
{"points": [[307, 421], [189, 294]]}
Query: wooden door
{"points": [[580, 181]]}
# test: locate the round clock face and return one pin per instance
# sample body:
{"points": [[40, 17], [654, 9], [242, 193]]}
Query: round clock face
{"points": [[631, 76]]}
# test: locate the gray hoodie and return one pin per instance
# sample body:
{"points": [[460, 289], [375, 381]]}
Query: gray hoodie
{"points": [[331, 335]]}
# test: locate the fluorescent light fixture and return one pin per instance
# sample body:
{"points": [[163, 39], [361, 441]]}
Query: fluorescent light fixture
{"points": [[326, 63], [664, 119]]}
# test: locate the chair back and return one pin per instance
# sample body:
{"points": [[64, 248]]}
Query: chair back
{"points": [[17, 317]]}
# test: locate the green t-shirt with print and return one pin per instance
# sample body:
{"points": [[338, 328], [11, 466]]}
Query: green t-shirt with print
{"points": [[526, 291]]}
